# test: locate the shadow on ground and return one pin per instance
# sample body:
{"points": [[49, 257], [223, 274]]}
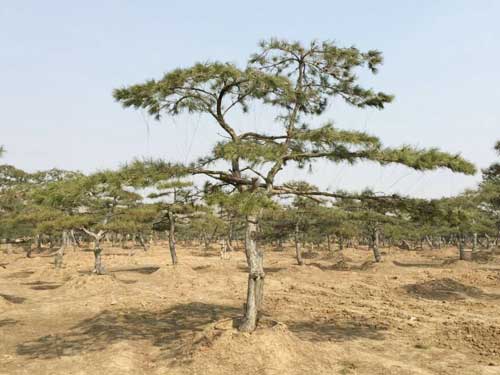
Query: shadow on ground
{"points": [[344, 266], [447, 289], [339, 331], [167, 329], [171, 330], [147, 270], [142, 270], [20, 274], [7, 322], [419, 265], [266, 269], [12, 298], [43, 285]]}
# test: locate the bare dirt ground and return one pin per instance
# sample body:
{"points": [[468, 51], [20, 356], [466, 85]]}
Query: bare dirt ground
{"points": [[414, 313]]}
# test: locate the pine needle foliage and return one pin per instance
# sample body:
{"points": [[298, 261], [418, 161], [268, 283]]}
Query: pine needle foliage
{"points": [[299, 81]]}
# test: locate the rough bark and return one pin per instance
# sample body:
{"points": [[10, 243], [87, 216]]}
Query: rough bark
{"points": [[429, 242], [142, 242], [59, 257], [29, 250], [298, 250], [206, 244], [230, 236], [98, 266], [171, 237], [255, 260], [38, 242], [461, 249], [375, 246], [74, 238]]}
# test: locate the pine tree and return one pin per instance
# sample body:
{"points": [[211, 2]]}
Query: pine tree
{"points": [[489, 193], [22, 215], [172, 194], [90, 204], [299, 82]]}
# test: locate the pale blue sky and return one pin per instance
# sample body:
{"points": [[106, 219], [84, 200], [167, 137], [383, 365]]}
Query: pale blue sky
{"points": [[60, 60]]}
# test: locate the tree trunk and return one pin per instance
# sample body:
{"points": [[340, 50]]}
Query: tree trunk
{"points": [[298, 250], [58, 260], [38, 242], [29, 250], [328, 244], [488, 241], [74, 239], [461, 249], [376, 251], [206, 244], [171, 237], [230, 237], [122, 240], [255, 260], [280, 244], [98, 267], [474, 242], [429, 242], [142, 242]]}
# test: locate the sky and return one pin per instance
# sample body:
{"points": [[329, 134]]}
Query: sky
{"points": [[60, 61]]}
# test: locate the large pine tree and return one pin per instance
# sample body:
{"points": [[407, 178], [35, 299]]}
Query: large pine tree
{"points": [[299, 81]]}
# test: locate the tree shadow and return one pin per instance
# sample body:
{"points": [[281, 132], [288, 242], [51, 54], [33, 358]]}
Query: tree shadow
{"points": [[147, 270], [20, 275], [310, 255], [444, 263], [447, 290], [13, 299], [202, 267], [340, 331], [168, 329], [205, 253], [266, 269], [342, 265], [7, 322], [43, 285]]}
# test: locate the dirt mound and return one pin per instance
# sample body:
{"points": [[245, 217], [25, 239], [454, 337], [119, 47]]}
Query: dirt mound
{"points": [[271, 349], [443, 289], [310, 255], [343, 265], [484, 339], [91, 283], [177, 271]]}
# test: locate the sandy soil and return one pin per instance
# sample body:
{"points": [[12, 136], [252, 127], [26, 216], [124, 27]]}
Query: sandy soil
{"points": [[414, 313]]}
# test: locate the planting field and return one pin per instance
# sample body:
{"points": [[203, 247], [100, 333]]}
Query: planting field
{"points": [[414, 313]]}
